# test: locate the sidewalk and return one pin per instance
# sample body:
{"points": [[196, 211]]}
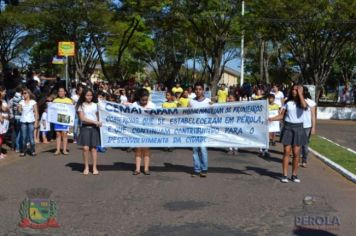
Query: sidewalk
{"points": [[12, 156]]}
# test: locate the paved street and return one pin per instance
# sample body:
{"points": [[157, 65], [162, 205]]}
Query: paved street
{"points": [[241, 196], [341, 132]]}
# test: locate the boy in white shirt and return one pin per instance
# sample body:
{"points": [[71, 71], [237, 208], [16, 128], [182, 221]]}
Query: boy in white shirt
{"points": [[200, 154]]}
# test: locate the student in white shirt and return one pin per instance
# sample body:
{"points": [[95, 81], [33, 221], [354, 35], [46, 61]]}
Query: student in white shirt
{"points": [[200, 154], [191, 93], [45, 126], [142, 101], [309, 124], [89, 136], [278, 95], [123, 98], [29, 120], [293, 135]]}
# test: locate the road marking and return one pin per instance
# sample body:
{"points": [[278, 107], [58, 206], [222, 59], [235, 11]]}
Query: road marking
{"points": [[348, 149]]}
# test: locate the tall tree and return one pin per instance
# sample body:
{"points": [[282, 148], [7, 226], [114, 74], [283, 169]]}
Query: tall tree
{"points": [[125, 36], [68, 20], [314, 32], [215, 25], [13, 36]]}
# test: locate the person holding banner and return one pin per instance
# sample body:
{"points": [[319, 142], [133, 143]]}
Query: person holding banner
{"points": [[142, 101], [293, 135], [29, 120], [200, 154], [89, 136], [62, 130]]}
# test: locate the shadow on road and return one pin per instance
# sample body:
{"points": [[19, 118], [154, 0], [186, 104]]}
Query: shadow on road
{"points": [[270, 158], [312, 232], [168, 167], [264, 172]]}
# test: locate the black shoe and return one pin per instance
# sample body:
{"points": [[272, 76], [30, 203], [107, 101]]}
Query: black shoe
{"points": [[195, 174], [203, 174], [147, 172]]}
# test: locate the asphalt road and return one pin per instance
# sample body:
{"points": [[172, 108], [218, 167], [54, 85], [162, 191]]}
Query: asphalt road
{"points": [[242, 195], [341, 132]]}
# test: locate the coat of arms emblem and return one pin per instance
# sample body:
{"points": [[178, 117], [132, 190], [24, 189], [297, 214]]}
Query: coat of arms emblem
{"points": [[37, 211]]}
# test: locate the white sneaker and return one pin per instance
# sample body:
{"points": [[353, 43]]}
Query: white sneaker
{"points": [[284, 179], [295, 179]]}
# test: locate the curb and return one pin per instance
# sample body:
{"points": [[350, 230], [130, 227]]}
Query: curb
{"points": [[347, 174]]}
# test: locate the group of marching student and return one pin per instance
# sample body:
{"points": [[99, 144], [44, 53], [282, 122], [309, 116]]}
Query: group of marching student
{"points": [[297, 111], [89, 133]]}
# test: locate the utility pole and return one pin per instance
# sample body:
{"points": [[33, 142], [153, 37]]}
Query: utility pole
{"points": [[242, 51]]}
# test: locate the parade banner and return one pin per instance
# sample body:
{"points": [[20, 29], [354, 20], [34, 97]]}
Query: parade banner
{"points": [[241, 124], [60, 113]]}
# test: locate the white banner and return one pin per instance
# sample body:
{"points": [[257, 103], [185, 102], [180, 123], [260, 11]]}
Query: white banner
{"points": [[61, 113], [242, 124]]}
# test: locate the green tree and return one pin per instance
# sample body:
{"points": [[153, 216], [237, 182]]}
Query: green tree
{"points": [[213, 26], [13, 36], [65, 20], [124, 38], [313, 32]]}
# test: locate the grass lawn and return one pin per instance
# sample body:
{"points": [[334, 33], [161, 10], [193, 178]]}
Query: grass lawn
{"points": [[337, 154]]}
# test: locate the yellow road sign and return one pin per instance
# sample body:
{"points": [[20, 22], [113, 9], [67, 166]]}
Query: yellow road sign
{"points": [[66, 49]]}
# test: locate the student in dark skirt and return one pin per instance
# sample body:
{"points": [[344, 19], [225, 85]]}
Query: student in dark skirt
{"points": [[89, 136], [293, 135]]}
